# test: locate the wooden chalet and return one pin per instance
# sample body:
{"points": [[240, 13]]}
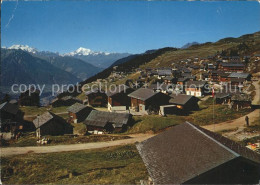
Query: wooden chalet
{"points": [[195, 88], [169, 80], [143, 99], [96, 97], [232, 66], [182, 81], [189, 154], [78, 112], [244, 76], [30, 98], [11, 118], [51, 124], [65, 101], [223, 98], [240, 101], [118, 99], [164, 72], [184, 102], [218, 76], [107, 121]]}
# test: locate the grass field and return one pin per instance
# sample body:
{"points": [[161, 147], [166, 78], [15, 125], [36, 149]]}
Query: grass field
{"points": [[115, 165], [154, 123]]}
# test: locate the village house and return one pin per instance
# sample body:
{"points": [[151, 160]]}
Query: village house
{"points": [[211, 67], [184, 103], [118, 99], [145, 100], [78, 112], [11, 118], [96, 97], [188, 76], [240, 101], [189, 154], [218, 76], [65, 101], [169, 80], [196, 88], [182, 81], [232, 67], [164, 72], [99, 122], [51, 124], [244, 76], [223, 98], [30, 97]]}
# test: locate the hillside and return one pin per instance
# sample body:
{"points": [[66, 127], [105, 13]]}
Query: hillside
{"points": [[245, 45], [18, 66], [77, 67]]}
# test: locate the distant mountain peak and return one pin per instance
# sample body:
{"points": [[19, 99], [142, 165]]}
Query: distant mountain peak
{"points": [[85, 52], [24, 48], [189, 45]]}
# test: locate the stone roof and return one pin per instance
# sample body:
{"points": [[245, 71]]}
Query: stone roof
{"points": [[9, 107], [186, 151], [99, 117]]}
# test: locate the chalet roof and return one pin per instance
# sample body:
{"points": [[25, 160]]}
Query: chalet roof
{"points": [[95, 90], [237, 80], [168, 78], [65, 98], [187, 151], [182, 79], [232, 65], [42, 119], [75, 108], [118, 89], [241, 97], [221, 95], [142, 94], [9, 107], [239, 75], [180, 99], [164, 72], [99, 123], [196, 84], [99, 117]]}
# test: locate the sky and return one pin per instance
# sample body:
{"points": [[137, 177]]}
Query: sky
{"points": [[123, 26]]}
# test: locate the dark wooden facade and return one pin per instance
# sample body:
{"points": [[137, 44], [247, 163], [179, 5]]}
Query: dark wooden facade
{"points": [[97, 99]]}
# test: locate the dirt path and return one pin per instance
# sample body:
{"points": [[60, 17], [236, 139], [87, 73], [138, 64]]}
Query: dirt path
{"points": [[256, 100], [233, 124], [238, 124], [72, 147]]}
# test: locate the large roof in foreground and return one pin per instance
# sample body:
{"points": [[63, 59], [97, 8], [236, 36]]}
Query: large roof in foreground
{"points": [[187, 151]]}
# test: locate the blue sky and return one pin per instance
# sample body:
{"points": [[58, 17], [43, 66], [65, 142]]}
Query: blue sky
{"points": [[124, 26]]}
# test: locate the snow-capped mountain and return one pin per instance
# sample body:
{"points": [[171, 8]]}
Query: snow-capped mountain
{"points": [[85, 52], [24, 48], [96, 58], [99, 59]]}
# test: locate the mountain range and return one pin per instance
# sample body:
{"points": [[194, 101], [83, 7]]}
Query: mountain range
{"points": [[25, 64], [98, 59]]}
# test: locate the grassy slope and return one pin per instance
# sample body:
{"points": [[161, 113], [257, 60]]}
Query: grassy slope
{"points": [[154, 123], [221, 113], [206, 49], [120, 165]]}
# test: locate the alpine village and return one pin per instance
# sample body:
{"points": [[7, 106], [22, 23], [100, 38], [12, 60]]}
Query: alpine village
{"points": [[174, 116]]}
